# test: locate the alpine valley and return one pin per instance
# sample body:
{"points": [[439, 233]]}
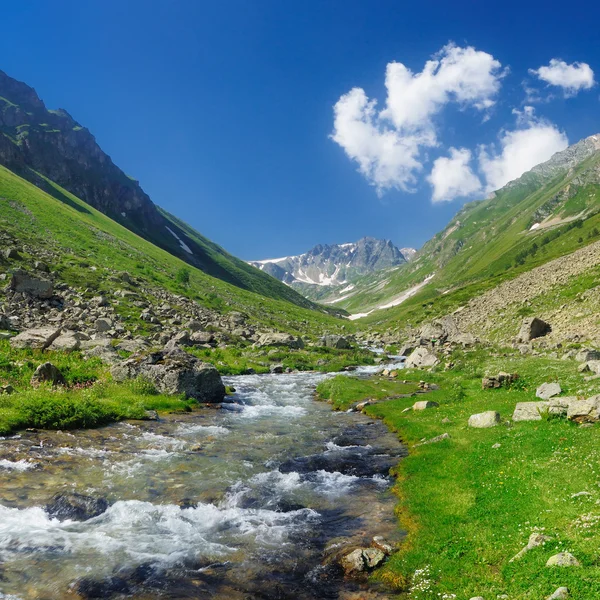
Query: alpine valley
{"points": [[361, 421]]}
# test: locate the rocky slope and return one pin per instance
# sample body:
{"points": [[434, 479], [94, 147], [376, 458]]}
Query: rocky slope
{"points": [[327, 272], [49, 147]]}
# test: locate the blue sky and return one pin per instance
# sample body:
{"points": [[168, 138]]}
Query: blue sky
{"points": [[225, 110]]}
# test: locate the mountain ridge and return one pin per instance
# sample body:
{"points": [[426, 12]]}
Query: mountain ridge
{"points": [[50, 149], [324, 269]]}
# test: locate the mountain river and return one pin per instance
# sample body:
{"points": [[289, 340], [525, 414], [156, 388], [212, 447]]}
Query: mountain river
{"points": [[237, 503]]}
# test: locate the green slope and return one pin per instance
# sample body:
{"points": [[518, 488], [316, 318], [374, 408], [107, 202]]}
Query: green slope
{"points": [[492, 240], [89, 250]]}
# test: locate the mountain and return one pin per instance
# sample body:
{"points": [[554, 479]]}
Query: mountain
{"points": [[551, 211], [326, 272], [52, 150]]}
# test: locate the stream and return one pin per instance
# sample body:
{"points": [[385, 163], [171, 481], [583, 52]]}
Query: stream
{"points": [[239, 503]]}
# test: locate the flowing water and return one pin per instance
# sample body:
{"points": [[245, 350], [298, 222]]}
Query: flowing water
{"points": [[240, 502]]}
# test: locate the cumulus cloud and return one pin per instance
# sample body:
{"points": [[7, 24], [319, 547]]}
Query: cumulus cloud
{"points": [[572, 78], [452, 177], [534, 142], [387, 144]]}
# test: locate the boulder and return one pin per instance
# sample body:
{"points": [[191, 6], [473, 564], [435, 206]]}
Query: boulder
{"points": [[202, 337], [5, 322], [11, 253], [279, 339], [483, 420], [562, 593], [585, 355], [102, 325], [335, 341], [559, 407], [529, 411], [497, 381], [174, 372], [24, 283], [548, 390], [36, 339], [421, 358], [362, 560], [424, 404], [584, 411], [47, 373], [594, 366], [75, 507], [531, 328], [69, 341], [563, 559], [276, 369]]}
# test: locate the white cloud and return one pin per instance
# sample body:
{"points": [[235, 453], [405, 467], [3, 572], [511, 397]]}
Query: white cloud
{"points": [[452, 177], [521, 150], [571, 78], [387, 144]]}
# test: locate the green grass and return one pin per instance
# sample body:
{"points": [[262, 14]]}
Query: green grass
{"points": [[343, 391], [468, 507], [90, 251], [237, 360], [89, 398]]}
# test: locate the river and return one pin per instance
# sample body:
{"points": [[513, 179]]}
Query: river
{"points": [[238, 503]]}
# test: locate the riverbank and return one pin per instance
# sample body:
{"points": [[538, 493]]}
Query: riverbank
{"points": [[88, 396], [471, 500]]}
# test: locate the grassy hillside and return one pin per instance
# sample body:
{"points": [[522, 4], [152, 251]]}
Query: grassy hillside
{"points": [[89, 250], [545, 214]]}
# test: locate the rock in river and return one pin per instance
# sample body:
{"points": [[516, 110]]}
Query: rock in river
{"points": [[75, 507]]}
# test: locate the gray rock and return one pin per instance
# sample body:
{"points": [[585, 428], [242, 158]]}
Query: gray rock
{"points": [[11, 253], [535, 540], [424, 404], [202, 337], [562, 593], [585, 355], [563, 559], [276, 369], [483, 420], [498, 381], [47, 373], [102, 325], [594, 366], [361, 560], [5, 322], [532, 328], [421, 358], [174, 372], [279, 339], [36, 339], [548, 390], [24, 283], [75, 507], [559, 407], [584, 411], [69, 341], [7, 389], [529, 411], [335, 341], [435, 440]]}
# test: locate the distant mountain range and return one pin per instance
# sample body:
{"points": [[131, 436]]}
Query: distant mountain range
{"points": [[326, 267]]}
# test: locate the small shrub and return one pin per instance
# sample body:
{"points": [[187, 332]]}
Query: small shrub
{"points": [[183, 276], [142, 386]]}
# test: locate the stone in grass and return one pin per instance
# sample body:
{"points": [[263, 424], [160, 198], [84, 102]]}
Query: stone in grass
{"points": [[535, 540], [362, 559], [47, 373], [529, 411], [483, 420], [548, 390], [424, 404], [563, 559], [562, 593]]}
